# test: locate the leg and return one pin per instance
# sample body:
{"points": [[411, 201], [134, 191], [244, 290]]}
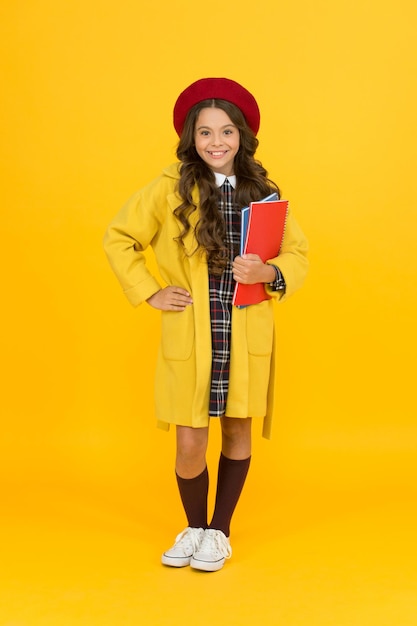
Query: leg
{"points": [[192, 474], [191, 451], [192, 479], [236, 437], [233, 468]]}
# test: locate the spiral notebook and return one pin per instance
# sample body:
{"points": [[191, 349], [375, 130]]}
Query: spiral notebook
{"points": [[262, 231]]}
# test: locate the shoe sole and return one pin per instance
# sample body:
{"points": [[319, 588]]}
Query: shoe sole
{"points": [[175, 562], [207, 566]]}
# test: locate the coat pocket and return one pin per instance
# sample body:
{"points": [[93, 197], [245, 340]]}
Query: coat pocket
{"points": [[260, 328], [177, 334]]}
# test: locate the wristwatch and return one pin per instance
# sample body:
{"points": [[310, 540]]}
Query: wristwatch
{"points": [[279, 283]]}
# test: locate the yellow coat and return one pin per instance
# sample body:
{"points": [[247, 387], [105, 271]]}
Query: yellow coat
{"points": [[183, 371]]}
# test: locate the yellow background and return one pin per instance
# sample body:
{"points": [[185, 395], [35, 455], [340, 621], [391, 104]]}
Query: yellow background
{"points": [[324, 531]]}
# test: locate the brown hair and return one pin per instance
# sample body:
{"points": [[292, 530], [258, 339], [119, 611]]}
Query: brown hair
{"points": [[252, 183]]}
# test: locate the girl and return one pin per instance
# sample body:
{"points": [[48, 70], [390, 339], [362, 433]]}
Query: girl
{"points": [[215, 360]]}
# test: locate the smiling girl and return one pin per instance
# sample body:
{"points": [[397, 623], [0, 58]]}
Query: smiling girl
{"points": [[215, 360]]}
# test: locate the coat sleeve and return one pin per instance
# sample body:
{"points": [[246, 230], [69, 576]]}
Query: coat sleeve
{"points": [[127, 237], [292, 259]]}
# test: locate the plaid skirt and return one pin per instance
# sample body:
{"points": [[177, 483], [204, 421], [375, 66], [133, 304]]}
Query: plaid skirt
{"points": [[221, 290]]}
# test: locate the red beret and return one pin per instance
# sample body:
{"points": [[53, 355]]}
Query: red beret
{"points": [[221, 88]]}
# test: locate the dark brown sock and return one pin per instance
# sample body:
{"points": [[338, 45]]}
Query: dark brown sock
{"points": [[193, 492], [230, 481]]}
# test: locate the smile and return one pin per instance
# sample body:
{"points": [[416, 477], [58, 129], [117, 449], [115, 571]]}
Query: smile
{"points": [[217, 155]]}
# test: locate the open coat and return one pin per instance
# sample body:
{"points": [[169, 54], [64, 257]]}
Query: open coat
{"points": [[183, 372]]}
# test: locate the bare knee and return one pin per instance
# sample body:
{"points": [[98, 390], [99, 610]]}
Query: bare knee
{"points": [[236, 437], [191, 451]]}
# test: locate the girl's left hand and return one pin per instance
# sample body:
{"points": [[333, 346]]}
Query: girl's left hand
{"points": [[249, 269]]}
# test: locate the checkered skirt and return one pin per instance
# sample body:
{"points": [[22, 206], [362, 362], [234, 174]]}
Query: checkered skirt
{"points": [[221, 295]]}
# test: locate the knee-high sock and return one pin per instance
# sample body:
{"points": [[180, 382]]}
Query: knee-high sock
{"points": [[230, 481], [193, 492]]}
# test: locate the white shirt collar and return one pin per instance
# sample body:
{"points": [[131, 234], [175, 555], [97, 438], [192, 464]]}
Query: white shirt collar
{"points": [[220, 178]]}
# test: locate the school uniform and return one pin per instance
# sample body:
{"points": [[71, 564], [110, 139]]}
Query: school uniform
{"points": [[185, 381]]}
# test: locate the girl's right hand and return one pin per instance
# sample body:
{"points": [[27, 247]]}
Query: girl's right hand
{"points": [[170, 299]]}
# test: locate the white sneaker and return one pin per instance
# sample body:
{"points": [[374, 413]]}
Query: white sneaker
{"points": [[213, 551], [184, 547]]}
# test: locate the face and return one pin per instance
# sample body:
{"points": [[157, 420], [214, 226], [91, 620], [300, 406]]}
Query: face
{"points": [[217, 140]]}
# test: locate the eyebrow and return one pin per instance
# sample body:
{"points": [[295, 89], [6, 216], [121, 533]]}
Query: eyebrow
{"points": [[222, 127]]}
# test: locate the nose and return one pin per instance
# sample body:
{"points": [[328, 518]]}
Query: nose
{"points": [[216, 139]]}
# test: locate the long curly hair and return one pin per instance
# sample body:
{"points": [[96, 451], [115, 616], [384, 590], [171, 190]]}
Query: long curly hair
{"points": [[252, 183]]}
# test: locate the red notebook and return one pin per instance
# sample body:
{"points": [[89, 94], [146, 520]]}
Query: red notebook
{"points": [[263, 236]]}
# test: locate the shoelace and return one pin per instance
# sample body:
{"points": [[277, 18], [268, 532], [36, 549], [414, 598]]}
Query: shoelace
{"points": [[189, 536], [215, 540]]}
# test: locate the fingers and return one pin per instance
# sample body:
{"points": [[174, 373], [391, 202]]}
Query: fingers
{"points": [[248, 269], [240, 270], [177, 298], [251, 257], [170, 299]]}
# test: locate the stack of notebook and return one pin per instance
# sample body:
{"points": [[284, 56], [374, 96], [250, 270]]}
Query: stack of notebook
{"points": [[262, 230]]}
